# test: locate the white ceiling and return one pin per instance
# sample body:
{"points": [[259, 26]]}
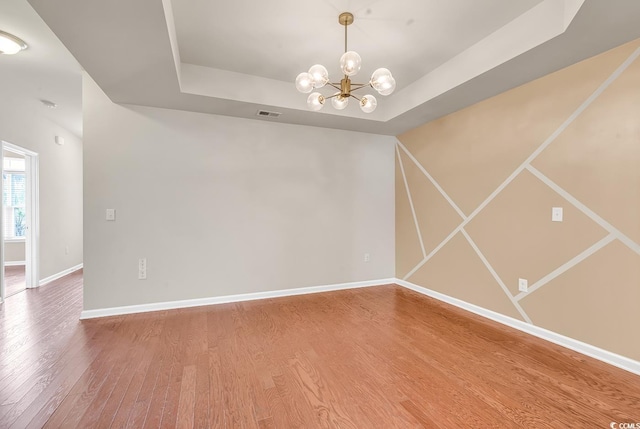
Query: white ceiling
{"points": [[46, 70], [233, 58], [408, 37]]}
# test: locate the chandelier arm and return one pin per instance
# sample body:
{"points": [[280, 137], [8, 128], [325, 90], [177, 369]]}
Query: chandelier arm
{"points": [[351, 95], [335, 85], [359, 86], [332, 96]]}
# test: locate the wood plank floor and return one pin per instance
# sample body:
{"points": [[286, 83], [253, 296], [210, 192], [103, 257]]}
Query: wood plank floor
{"points": [[381, 357], [14, 279]]}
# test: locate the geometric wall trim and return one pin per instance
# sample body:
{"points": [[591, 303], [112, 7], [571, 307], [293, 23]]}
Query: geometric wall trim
{"points": [[605, 177], [509, 231], [577, 295], [409, 250], [472, 151], [458, 271], [436, 215], [519, 219]]}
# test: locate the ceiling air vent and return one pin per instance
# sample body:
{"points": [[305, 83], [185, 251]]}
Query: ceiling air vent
{"points": [[266, 113]]}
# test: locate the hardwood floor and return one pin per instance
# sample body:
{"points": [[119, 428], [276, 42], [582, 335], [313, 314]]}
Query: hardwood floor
{"points": [[381, 357], [14, 279]]}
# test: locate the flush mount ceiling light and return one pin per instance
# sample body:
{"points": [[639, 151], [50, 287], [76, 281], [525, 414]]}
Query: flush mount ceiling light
{"points": [[10, 44], [350, 63]]}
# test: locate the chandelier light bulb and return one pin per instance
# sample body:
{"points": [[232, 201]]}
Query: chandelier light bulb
{"points": [[383, 82], [368, 103], [315, 101], [388, 87], [339, 102], [320, 75], [304, 82], [350, 63]]}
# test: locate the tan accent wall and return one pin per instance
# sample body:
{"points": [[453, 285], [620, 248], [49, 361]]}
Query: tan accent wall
{"points": [[483, 181]]}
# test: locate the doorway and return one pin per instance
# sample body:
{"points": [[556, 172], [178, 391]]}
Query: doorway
{"points": [[20, 220]]}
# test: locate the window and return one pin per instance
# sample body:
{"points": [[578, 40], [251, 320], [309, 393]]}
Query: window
{"points": [[13, 199]]}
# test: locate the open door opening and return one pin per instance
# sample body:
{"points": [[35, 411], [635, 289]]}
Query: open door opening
{"points": [[19, 214]]}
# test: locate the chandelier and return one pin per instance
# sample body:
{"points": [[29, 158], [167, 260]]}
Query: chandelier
{"points": [[350, 63]]}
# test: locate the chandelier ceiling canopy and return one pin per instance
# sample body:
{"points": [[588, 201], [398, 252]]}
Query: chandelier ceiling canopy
{"points": [[350, 64]]}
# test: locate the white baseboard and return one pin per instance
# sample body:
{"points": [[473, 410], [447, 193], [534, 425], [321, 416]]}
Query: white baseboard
{"points": [[614, 359], [170, 305], [13, 263], [56, 276], [578, 346]]}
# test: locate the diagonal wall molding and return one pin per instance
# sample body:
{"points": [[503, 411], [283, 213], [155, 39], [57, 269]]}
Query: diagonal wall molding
{"points": [[526, 164], [566, 266], [496, 277], [432, 180], [586, 210], [413, 211]]}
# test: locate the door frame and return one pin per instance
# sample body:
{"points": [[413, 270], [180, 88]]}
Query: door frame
{"points": [[32, 239]]}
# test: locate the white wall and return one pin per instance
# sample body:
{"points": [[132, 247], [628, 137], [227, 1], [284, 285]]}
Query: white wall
{"points": [[14, 251], [23, 123], [222, 205]]}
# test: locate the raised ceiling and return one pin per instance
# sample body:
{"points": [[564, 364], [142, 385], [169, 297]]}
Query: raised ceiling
{"points": [[409, 37], [234, 58]]}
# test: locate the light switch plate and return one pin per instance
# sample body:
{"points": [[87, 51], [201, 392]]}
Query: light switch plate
{"points": [[556, 214], [111, 214], [523, 285]]}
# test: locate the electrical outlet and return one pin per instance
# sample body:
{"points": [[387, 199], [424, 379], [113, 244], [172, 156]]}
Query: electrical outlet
{"points": [[367, 257], [523, 285], [111, 214], [142, 268], [556, 214]]}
